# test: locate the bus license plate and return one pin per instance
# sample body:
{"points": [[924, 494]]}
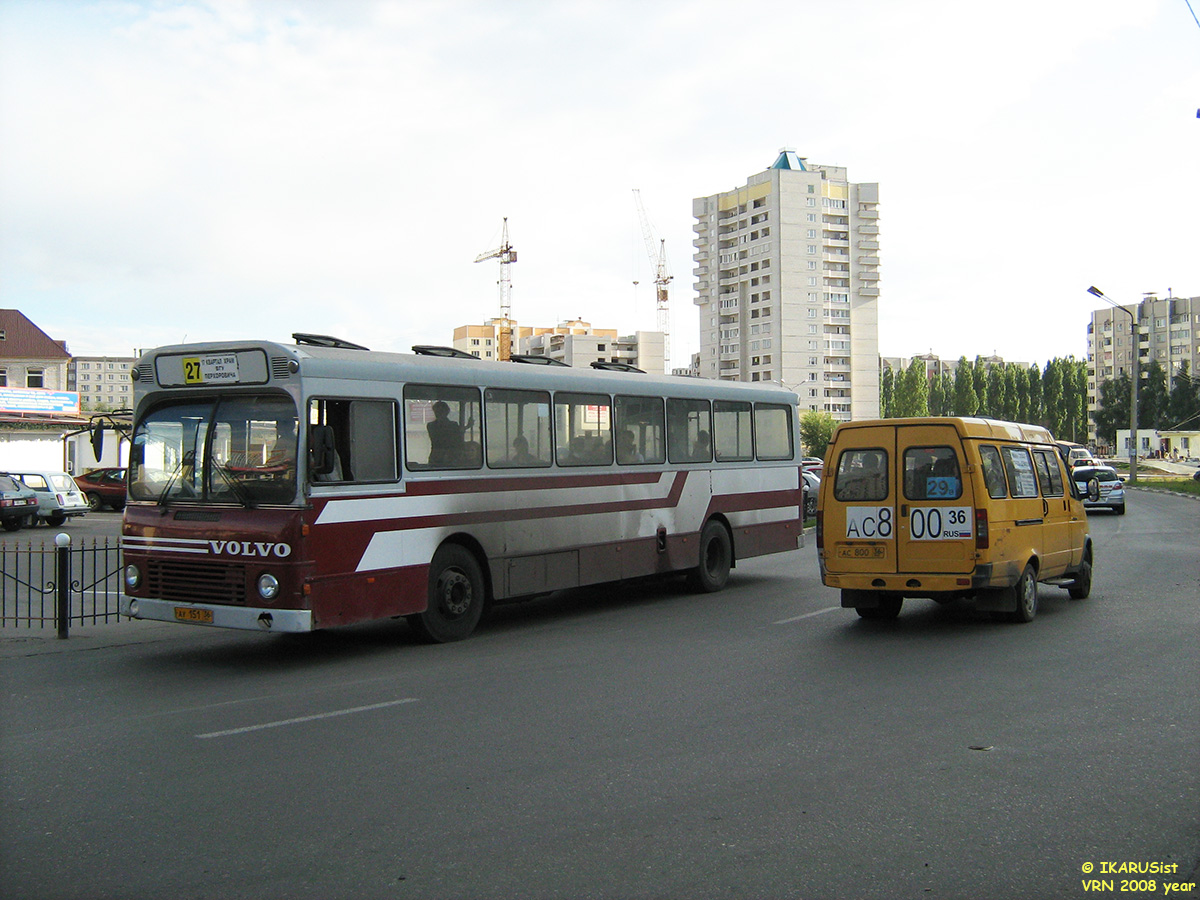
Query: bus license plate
{"points": [[861, 552], [187, 614]]}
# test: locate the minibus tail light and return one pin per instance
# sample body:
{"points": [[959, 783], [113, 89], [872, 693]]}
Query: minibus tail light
{"points": [[820, 530], [982, 539]]}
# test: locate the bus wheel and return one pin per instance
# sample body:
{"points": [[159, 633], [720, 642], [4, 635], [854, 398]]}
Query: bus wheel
{"points": [[456, 596], [716, 556], [1082, 585], [1025, 591]]}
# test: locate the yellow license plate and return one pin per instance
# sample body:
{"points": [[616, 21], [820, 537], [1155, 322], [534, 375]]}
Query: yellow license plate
{"points": [[187, 614], [861, 552]]}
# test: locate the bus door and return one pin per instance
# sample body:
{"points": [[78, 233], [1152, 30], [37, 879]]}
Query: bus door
{"points": [[936, 516], [859, 521]]}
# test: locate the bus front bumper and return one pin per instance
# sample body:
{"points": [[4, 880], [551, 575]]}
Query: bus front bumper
{"points": [[246, 618]]}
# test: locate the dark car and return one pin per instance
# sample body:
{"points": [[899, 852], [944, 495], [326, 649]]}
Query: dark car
{"points": [[18, 503], [103, 487]]}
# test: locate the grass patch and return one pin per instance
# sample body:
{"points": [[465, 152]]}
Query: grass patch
{"points": [[1182, 484]]}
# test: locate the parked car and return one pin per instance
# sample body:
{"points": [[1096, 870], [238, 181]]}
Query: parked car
{"points": [[813, 489], [103, 487], [58, 496], [1112, 488], [18, 503]]}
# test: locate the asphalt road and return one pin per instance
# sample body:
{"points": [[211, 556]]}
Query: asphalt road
{"points": [[635, 741]]}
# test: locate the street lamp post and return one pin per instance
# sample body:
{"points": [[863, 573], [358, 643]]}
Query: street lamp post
{"points": [[1133, 387]]}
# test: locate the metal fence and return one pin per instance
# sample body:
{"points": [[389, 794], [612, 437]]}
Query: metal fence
{"points": [[60, 586]]}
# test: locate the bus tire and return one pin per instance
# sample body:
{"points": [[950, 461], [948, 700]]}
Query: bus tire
{"points": [[716, 558], [456, 597]]}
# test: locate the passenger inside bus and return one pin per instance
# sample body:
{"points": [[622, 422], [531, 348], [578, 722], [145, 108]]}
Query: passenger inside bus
{"points": [[627, 451], [702, 450], [521, 455], [445, 437]]}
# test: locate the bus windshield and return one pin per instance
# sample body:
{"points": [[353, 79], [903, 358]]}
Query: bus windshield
{"points": [[239, 450]]}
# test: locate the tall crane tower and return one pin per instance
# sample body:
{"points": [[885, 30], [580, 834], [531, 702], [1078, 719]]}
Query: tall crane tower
{"points": [[507, 256], [657, 251]]}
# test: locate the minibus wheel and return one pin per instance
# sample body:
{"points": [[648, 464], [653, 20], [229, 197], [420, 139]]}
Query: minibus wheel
{"points": [[456, 596], [1082, 585], [716, 557], [1025, 591]]}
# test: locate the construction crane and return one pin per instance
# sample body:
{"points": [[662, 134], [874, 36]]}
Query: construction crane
{"points": [[507, 256], [657, 251]]}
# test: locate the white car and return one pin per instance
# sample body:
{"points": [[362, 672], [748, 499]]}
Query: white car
{"points": [[59, 497], [1112, 488]]}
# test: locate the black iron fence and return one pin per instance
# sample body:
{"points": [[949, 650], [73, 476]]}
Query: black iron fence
{"points": [[42, 587]]}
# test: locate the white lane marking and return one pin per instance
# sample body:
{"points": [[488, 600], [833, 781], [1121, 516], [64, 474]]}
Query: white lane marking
{"points": [[313, 718], [819, 612]]}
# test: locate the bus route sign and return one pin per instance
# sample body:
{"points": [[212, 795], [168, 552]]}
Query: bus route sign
{"points": [[219, 369]]}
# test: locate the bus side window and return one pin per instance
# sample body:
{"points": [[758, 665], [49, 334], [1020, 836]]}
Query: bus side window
{"points": [[639, 423], [689, 431], [732, 431], [518, 428], [993, 472], [773, 431], [442, 427], [353, 440], [583, 432]]}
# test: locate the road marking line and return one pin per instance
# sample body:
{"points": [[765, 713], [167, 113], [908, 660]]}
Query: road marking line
{"points": [[313, 718], [819, 612]]}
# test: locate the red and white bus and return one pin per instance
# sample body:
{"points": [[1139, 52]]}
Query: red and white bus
{"points": [[292, 487]]}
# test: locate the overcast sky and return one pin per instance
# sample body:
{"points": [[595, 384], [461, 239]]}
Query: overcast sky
{"points": [[223, 169]]}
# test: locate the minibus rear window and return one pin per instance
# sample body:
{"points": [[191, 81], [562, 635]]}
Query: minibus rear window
{"points": [[931, 473], [862, 475]]}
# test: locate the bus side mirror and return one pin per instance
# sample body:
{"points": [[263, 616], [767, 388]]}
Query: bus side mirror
{"points": [[97, 440], [1094, 489], [322, 458]]}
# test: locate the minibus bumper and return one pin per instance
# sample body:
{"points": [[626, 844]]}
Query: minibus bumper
{"points": [[246, 618], [908, 584]]}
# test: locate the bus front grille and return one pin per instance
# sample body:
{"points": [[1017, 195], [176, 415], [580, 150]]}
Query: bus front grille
{"points": [[186, 582]]}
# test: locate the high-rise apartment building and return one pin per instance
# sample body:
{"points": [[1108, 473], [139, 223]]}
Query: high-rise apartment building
{"points": [[1170, 333], [574, 342], [787, 281]]}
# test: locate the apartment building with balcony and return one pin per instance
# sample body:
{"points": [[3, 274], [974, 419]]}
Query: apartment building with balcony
{"points": [[1169, 331], [787, 282]]}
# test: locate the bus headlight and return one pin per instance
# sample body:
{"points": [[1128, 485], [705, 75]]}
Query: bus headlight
{"points": [[268, 587], [133, 576]]}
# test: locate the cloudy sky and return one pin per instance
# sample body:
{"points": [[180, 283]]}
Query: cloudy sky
{"points": [[224, 169]]}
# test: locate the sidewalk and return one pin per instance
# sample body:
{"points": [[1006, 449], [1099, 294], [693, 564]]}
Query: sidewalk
{"points": [[22, 641]]}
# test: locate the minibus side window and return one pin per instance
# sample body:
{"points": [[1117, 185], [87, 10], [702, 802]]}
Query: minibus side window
{"points": [[931, 473], [1019, 468], [441, 427], [1048, 473], [773, 431], [993, 472], [862, 475]]}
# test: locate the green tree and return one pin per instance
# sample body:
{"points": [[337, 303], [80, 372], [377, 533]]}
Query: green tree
{"points": [[887, 391], [995, 390], [816, 431], [1012, 395], [941, 395], [979, 378], [1184, 402], [1112, 408], [912, 392], [966, 401], [1034, 377], [1052, 396], [1152, 397], [1022, 380]]}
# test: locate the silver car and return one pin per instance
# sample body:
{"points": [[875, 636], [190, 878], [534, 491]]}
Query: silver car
{"points": [[1112, 488], [59, 497]]}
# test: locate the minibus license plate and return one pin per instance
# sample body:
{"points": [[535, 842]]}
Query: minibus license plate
{"points": [[861, 552], [187, 614]]}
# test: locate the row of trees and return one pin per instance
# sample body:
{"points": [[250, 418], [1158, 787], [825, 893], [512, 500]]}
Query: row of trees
{"points": [[1055, 396], [1159, 408]]}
